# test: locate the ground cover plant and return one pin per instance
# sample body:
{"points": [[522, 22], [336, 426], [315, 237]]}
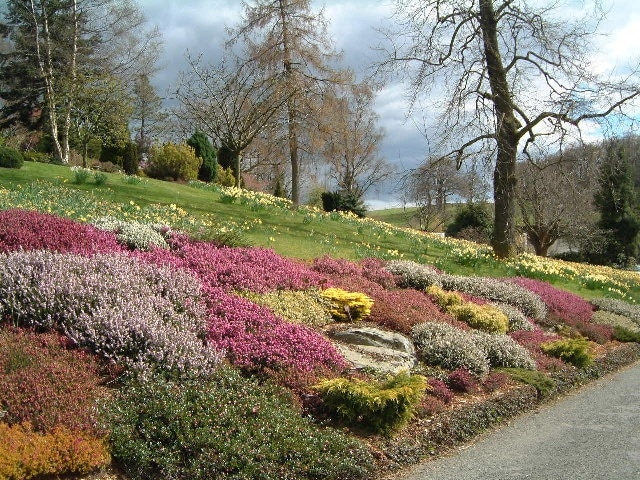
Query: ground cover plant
{"points": [[217, 341]]}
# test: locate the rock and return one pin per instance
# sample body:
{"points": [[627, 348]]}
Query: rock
{"points": [[368, 347]]}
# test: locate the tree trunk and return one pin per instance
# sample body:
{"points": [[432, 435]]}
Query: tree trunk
{"points": [[504, 178], [291, 108]]}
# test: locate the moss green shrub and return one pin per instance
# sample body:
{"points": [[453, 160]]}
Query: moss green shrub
{"points": [[10, 158], [347, 306], [576, 351], [623, 334], [620, 307], [382, 407], [224, 427], [305, 307], [178, 162], [26, 454], [543, 384]]}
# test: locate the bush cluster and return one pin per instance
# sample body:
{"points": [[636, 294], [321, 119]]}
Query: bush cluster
{"points": [[532, 340], [420, 277], [306, 307], [29, 230], [487, 317], [347, 306], [440, 390], [26, 454], [44, 383], [256, 340], [135, 235], [451, 348], [615, 320], [576, 351], [140, 315], [381, 407], [226, 427], [398, 309], [461, 380], [10, 158], [517, 320]]}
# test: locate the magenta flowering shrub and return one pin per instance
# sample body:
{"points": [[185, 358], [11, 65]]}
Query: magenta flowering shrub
{"points": [[256, 340], [259, 270], [565, 305], [132, 313], [372, 269], [532, 340], [30, 230], [440, 390], [569, 308]]}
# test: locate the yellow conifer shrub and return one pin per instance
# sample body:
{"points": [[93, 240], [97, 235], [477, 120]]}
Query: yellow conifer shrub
{"points": [[348, 306]]}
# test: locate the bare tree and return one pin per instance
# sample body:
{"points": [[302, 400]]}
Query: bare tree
{"points": [[555, 197], [511, 74], [351, 138], [289, 40], [231, 103]]}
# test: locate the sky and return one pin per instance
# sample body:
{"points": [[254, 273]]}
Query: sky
{"points": [[198, 26]]}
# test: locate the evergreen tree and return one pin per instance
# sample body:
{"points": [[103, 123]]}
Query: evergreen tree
{"points": [[204, 149], [617, 204]]}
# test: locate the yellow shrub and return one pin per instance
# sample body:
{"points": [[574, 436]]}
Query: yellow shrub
{"points": [[443, 298], [27, 454], [487, 318], [483, 317], [380, 406], [348, 306]]}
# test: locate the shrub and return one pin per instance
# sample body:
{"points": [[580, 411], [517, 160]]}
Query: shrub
{"points": [[141, 315], [135, 235], [517, 320], [203, 149], [495, 380], [304, 307], [420, 277], [100, 178], [25, 454], [44, 383], [474, 216], [343, 202], [178, 162], [28, 230], [542, 383], [576, 351], [461, 380], [256, 269], [33, 156], [256, 340], [379, 406], [225, 427], [10, 158], [503, 351], [565, 305], [620, 307], [440, 390], [531, 340], [449, 347], [414, 275], [80, 175], [347, 306], [615, 320], [488, 318], [623, 334]]}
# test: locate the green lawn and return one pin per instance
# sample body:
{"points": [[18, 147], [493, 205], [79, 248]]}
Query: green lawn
{"points": [[305, 233]]}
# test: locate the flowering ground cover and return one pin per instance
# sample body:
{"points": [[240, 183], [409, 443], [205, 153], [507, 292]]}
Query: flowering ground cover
{"points": [[217, 338]]}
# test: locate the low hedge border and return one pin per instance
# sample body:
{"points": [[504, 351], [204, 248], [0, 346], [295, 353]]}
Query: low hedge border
{"points": [[434, 436]]}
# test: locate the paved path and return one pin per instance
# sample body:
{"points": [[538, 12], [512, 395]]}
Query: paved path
{"points": [[592, 434]]}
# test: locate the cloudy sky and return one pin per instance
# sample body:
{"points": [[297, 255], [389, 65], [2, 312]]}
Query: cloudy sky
{"points": [[198, 26]]}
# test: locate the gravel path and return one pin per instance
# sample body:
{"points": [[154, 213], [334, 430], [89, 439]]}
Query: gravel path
{"points": [[592, 434]]}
